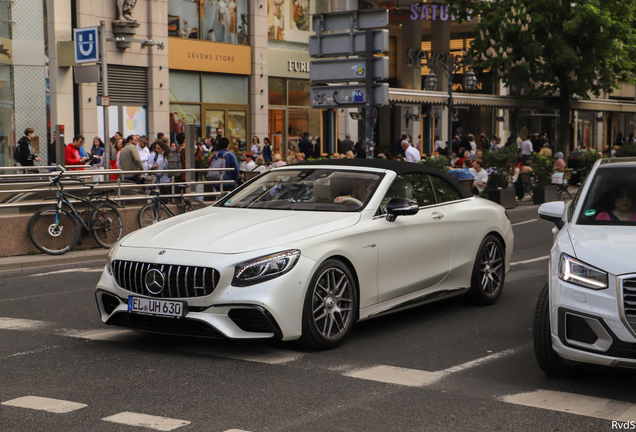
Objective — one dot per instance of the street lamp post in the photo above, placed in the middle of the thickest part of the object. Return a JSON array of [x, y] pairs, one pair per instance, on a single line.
[[449, 65]]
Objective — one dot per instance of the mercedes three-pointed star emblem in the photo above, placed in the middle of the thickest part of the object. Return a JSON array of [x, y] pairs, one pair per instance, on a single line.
[[154, 281]]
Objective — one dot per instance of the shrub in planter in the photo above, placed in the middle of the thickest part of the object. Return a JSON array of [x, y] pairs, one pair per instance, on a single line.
[[626, 150], [587, 161], [542, 170], [500, 165], [442, 163]]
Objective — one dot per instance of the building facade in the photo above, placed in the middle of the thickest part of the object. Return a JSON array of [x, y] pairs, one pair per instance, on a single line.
[[243, 66]]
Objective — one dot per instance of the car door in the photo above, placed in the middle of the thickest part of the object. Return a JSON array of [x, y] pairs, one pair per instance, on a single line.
[[414, 251]]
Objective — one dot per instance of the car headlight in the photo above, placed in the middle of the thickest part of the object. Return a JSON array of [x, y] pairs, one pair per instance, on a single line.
[[578, 273], [265, 268], [109, 260]]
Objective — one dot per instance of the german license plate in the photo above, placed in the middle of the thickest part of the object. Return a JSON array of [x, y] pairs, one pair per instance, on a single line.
[[155, 307]]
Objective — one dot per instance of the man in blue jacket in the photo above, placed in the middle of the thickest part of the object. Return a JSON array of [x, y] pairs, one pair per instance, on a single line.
[[230, 162]]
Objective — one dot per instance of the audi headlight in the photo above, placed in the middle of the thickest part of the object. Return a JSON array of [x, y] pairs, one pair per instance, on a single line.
[[265, 268], [578, 273]]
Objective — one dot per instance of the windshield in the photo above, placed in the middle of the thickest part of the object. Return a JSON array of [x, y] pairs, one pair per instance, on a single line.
[[307, 189], [610, 199]]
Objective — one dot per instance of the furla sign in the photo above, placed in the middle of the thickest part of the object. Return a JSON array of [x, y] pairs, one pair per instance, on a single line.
[[288, 63]]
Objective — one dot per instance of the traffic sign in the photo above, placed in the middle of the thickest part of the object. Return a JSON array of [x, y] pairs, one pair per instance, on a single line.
[[348, 96], [103, 101], [363, 19], [348, 70], [85, 44], [344, 44]]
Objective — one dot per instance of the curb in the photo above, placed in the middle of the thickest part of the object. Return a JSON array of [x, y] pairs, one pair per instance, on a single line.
[[41, 260]]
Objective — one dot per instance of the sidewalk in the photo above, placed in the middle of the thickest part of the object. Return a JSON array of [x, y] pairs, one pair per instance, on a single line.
[[41, 260]]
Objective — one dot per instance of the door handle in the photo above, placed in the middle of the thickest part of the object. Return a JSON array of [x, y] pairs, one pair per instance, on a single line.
[[437, 216]]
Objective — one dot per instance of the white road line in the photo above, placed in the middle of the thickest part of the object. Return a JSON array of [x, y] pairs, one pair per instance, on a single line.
[[45, 404], [478, 362], [531, 260], [397, 375], [73, 270], [147, 421], [590, 406], [254, 354], [524, 222], [20, 324], [415, 377]]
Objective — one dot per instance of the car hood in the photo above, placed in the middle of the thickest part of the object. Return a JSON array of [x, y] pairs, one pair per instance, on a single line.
[[610, 248], [234, 230]]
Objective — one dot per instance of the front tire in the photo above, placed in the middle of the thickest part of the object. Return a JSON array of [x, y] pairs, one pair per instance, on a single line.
[[489, 272], [53, 233], [549, 361], [107, 224], [330, 308]]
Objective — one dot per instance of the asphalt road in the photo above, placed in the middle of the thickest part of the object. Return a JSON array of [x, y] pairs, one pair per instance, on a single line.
[[448, 366]]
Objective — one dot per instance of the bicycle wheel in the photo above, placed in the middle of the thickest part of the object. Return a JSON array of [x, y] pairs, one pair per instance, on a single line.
[[52, 232], [106, 224], [150, 214], [192, 205]]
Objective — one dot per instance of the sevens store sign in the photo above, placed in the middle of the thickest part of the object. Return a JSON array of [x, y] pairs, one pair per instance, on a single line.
[[85, 45]]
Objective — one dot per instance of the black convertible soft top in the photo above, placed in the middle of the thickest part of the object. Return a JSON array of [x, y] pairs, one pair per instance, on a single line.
[[399, 167]]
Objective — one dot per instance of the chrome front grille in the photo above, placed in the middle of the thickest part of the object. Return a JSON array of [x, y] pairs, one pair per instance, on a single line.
[[629, 301], [179, 281]]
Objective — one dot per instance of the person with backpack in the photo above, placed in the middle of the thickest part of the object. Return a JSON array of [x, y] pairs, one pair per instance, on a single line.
[[224, 159], [24, 150]]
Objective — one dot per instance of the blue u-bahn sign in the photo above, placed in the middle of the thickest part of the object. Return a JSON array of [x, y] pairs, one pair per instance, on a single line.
[[86, 44]]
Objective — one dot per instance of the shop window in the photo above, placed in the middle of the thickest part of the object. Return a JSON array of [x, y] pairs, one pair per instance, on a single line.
[[277, 92], [298, 92], [237, 128], [180, 115], [214, 119], [134, 120], [275, 127], [225, 89], [219, 21], [183, 19], [184, 86]]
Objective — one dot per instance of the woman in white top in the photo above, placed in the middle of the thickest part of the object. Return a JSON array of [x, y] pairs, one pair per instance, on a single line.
[[163, 151], [256, 147]]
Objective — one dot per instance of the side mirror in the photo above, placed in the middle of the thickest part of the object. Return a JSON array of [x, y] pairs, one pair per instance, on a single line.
[[553, 212], [401, 207]]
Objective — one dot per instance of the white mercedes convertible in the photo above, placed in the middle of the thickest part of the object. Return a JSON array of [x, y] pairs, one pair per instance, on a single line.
[[305, 251]]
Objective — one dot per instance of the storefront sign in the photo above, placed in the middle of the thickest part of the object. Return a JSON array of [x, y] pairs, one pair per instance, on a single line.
[[288, 63], [202, 56], [431, 12], [6, 51], [297, 66]]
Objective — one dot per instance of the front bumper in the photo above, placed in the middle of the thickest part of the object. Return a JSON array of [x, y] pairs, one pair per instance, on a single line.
[[586, 325], [269, 310]]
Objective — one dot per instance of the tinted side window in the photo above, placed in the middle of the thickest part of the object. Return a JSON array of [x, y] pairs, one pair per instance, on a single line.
[[415, 186], [444, 190]]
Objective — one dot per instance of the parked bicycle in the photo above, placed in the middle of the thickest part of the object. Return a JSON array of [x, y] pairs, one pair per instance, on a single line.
[[56, 229], [157, 210]]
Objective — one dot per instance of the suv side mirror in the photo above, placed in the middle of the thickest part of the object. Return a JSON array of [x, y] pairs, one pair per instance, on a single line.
[[553, 212], [401, 207]]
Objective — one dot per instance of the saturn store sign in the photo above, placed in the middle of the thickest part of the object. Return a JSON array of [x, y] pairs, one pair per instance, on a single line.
[[203, 56]]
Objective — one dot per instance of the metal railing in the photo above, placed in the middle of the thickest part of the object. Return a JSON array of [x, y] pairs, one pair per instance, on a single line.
[[39, 182]]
